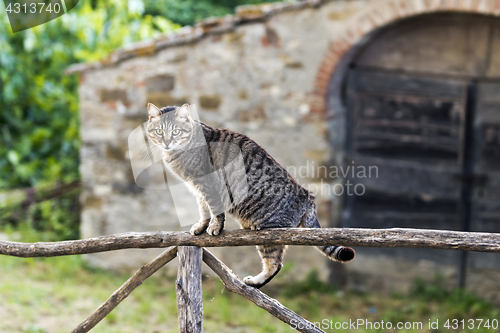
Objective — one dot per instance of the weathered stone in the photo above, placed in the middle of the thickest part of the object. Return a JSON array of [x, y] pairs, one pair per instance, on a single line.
[[115, 152], [294, 64], [316, 154], [112, 95], [256, 114], [271, 38], [234, 38], [213, 24], [146, 49], [93, 135], [162, 99], [290, 63], [92, 202], [210, 102], [243, 94], [163, 83], [249, 12], [127, 188], [97, 114], [340, 14], [179, 58]]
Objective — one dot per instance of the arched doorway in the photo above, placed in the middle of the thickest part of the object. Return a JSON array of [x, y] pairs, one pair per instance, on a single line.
[[422, 104]]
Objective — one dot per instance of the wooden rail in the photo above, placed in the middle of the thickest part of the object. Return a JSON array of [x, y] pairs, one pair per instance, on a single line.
[[395, 237], [191, 252]]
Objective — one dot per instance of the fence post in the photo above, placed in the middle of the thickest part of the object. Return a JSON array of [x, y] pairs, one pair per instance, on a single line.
[[188, 286]]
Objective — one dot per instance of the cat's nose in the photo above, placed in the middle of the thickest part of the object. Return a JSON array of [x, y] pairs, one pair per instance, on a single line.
[[166, 144]]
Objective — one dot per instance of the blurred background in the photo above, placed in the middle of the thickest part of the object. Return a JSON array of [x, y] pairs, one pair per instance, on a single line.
[[39, 103], [399, 99]]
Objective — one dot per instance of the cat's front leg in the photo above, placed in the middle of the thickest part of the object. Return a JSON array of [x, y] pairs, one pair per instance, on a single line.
[[216, 224], [200, 227], [213, 197], [205, 217]]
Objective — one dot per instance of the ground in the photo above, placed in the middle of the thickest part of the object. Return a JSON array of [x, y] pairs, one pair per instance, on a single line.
[[55, 294]]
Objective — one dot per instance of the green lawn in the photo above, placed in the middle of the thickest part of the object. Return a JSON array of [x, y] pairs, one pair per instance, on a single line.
[[55, 294]]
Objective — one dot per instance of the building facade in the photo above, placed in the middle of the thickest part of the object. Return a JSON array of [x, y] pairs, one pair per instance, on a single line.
[[388, 110]]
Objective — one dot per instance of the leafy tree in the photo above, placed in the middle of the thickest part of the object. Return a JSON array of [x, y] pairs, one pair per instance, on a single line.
[[39, 136], [39, 122], [187, 12]]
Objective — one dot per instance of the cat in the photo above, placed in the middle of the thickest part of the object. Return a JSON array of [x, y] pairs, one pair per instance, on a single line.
[[274, 199]]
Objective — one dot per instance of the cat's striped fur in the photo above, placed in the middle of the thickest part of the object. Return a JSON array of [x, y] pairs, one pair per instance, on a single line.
[[274, 199]]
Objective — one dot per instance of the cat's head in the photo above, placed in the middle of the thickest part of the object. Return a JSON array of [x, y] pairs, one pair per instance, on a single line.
[[170, 128]]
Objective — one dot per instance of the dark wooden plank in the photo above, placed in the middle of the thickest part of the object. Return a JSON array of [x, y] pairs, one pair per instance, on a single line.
[[486, 183], [376, 81], [400, 177]]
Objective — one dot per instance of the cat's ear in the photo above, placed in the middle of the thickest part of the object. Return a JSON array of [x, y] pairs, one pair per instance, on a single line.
[[183, 112], [153, 111]]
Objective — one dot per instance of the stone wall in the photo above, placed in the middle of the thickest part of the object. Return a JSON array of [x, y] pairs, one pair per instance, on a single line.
[[254, 79], [264, 72]]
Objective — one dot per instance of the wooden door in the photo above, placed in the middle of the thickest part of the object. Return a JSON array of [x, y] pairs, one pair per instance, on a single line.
[[411, 129], [485, 183]]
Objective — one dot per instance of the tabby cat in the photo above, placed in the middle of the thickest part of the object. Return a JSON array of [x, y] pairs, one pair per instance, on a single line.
[[274, 198]]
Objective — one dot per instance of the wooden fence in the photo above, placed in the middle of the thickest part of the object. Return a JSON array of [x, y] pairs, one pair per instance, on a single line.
[[191, 252]]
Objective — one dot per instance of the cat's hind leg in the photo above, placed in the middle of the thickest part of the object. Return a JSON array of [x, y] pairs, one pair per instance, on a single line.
[[272, 262]]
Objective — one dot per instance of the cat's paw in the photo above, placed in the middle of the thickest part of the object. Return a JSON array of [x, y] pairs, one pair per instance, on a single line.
[[198, 228], [255, 227], [215, 229], [253, 281]]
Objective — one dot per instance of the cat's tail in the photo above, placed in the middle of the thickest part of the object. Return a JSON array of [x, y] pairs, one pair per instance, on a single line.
[[342, 254]]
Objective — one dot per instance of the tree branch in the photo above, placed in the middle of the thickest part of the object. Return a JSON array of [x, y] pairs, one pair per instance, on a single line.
[[235, 285], [396, 237], [135, 281]]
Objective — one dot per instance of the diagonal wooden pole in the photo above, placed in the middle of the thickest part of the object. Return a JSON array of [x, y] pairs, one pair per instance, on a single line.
[[135, 281], [188, 286], [235, 285]]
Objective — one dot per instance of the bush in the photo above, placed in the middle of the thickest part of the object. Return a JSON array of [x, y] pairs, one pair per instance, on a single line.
[[188, 12], [39, 138]]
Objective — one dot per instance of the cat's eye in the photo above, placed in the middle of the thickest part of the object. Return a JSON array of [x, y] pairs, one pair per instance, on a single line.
[[176, 132], [159, 131]]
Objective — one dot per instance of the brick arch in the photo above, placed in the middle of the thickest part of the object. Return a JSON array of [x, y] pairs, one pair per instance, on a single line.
[[376, 15]]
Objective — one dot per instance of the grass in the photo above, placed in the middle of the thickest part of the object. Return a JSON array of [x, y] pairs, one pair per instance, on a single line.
[[52, 295]]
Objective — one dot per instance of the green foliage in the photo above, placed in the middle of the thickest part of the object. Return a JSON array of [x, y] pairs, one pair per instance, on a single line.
[[46, 214], [310, 284], [39, 138], [38, 102], [39, 123], [187, 12]]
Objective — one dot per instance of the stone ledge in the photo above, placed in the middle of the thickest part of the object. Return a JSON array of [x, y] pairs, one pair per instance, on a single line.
[[186, 35]]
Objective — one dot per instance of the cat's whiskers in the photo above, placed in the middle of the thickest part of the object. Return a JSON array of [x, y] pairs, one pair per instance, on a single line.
[[148, 152]]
